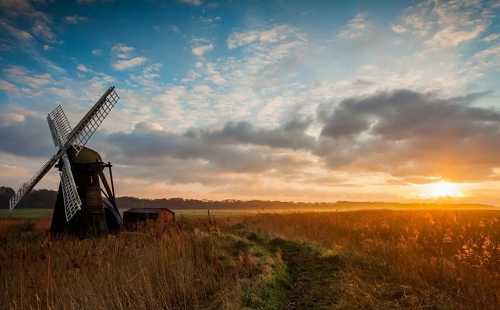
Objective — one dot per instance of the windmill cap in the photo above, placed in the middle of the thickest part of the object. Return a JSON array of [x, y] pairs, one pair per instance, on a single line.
[[86, 155]]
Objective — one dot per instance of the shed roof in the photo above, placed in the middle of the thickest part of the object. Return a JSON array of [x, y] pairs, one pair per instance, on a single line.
[[148, 210]]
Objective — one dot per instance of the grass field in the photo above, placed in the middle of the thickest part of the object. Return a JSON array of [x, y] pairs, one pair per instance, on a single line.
[[340, 260], [32, 214], [29, 214]]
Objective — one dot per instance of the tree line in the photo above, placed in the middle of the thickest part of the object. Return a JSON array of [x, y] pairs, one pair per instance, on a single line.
[[45, 199]]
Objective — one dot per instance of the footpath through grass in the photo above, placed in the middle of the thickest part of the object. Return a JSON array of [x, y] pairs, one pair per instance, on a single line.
[[312, 274]]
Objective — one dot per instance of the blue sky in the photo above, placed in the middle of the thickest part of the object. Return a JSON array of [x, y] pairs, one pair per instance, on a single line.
[[289, 100]]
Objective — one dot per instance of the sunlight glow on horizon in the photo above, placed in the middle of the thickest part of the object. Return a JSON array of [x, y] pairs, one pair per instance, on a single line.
[[441, 189]]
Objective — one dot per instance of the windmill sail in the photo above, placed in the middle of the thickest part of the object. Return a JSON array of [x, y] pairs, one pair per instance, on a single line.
[[59, 126], [81, 134], [64, 137], [71, 198], [28, 186]]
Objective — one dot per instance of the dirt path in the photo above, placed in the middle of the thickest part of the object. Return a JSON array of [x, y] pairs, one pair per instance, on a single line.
[[315, 276]]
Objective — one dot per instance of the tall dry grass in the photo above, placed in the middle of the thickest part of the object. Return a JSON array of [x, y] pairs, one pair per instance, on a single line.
[[161, 266], [430, 259]]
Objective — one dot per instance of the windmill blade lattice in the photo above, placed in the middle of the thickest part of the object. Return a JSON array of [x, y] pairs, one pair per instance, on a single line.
[[89, 124], [72, 202], [60, 129], [28, 186], [59, 126]]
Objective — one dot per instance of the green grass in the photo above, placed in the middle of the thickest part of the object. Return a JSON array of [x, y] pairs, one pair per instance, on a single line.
[[307, 278], [28, 214], [31, 214]]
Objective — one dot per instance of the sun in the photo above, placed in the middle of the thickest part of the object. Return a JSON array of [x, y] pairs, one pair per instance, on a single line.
[[442, 189]]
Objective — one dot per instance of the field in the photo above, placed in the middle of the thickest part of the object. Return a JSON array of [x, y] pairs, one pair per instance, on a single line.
[[31, 214], [376, 259]]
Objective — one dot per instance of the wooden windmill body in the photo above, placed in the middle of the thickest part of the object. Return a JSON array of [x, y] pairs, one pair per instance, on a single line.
[[80, 208], [98, 215]]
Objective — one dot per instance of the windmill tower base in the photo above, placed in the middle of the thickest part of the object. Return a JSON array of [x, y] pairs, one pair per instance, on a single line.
[[96, 217]]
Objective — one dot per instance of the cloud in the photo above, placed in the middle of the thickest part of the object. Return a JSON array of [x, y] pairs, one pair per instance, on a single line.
[[409, 134], [125, 53], [62, 93], [34, 80], [202, 89], [7, 86], [200, 46], [47, 48], [130, 63], [75, 19], [449, 23], [121, 48], [82, 68], [355, 28], [289, 136], [192, 2], [491, 37], [398, 28], [175, 29], [43, 30], [206, 20], [492, 51], [12, 171], [210, 6], [275, 34], [450, 37], [27, 136], [17, 33], [217, 147], [96, 52], [202, 49]]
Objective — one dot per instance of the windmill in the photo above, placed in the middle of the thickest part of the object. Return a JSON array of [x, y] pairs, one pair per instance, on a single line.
[[80, 208]]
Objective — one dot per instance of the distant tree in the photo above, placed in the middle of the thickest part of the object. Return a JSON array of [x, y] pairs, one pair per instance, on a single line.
[[5, 194]]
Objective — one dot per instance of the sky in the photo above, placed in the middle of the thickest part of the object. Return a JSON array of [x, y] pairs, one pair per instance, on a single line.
[[275, 100]]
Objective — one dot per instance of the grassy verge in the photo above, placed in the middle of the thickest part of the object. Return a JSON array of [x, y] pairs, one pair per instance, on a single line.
[[184, 265]]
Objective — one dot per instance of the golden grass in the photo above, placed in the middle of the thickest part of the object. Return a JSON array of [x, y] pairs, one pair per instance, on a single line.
[[162, 266], [414, 259]]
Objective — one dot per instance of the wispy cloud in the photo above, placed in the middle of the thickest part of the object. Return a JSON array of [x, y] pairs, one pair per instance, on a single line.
[[75, 19], [491, 37], [192, 2], [450, 37], [175, 29], [21, 75], [200, 46], [130, 63], [274, 34], [17, 33], [7, 86], [398, 28], [355, 28], [82, 68], [125, 53]]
